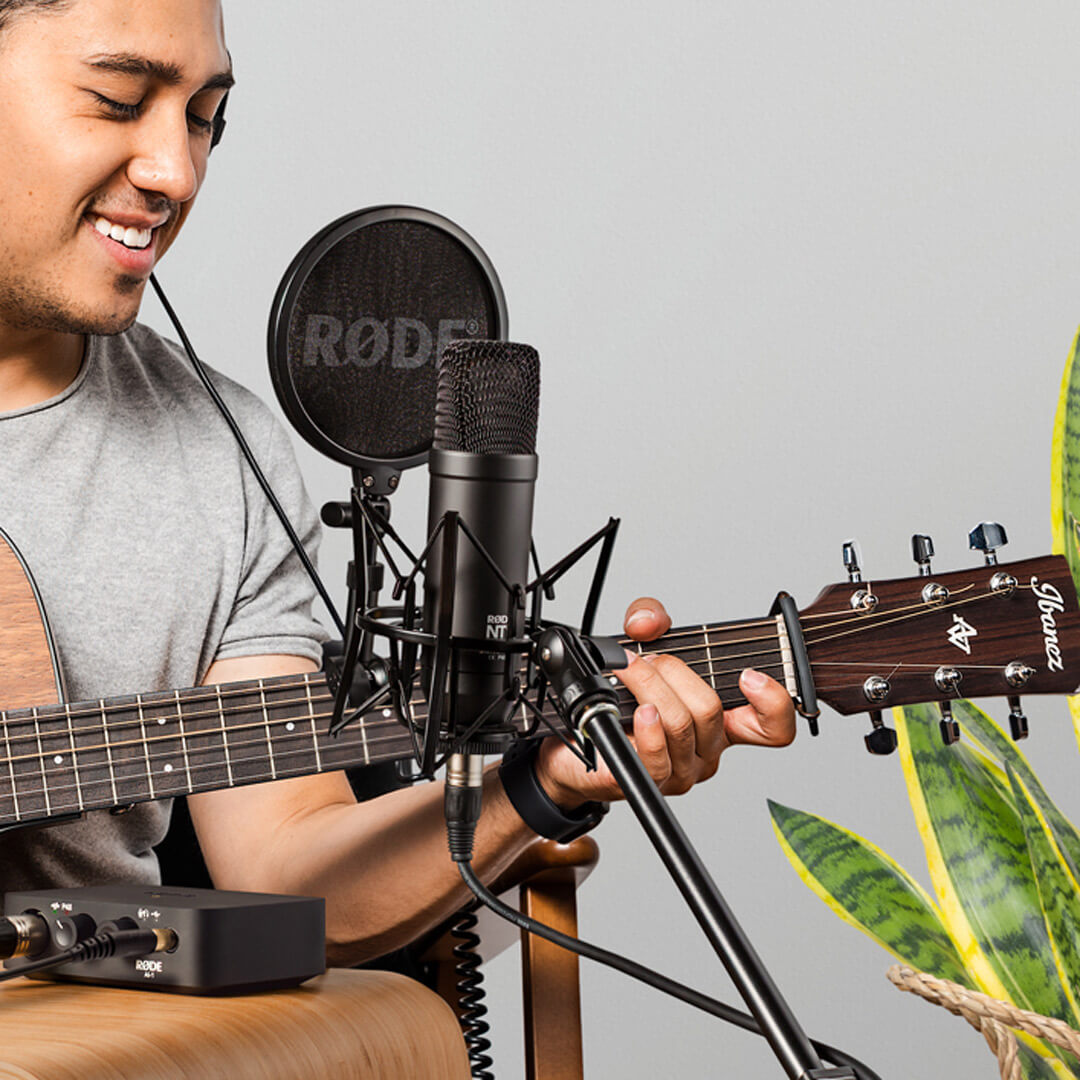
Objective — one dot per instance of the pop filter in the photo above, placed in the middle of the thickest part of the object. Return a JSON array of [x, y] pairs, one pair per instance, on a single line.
[[358, 324]]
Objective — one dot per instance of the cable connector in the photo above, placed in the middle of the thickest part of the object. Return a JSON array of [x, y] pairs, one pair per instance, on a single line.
[[462, 800]]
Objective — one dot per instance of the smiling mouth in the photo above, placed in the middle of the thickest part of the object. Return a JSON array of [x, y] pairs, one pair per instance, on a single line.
[[130, 237]]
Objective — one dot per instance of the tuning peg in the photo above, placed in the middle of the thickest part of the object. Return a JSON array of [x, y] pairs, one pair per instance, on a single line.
[[1018, 724], [922, 551], [851, 560], [882, 740], [950, 729], [987, 537]]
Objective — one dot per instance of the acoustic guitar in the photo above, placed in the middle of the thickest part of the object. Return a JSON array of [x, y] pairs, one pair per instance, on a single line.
[[998, 630]]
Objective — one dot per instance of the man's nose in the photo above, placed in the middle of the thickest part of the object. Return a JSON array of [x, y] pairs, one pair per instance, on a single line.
[[163, 160]]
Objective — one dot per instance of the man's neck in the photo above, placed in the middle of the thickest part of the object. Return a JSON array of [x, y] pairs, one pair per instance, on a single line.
[[36, 365]]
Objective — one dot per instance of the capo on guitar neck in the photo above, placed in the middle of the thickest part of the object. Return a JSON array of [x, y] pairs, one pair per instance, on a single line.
[[805, 694]]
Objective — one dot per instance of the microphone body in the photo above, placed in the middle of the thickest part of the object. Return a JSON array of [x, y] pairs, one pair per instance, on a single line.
[[483, 466]]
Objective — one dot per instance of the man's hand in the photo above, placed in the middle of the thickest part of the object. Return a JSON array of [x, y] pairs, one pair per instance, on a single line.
[[680, 727]]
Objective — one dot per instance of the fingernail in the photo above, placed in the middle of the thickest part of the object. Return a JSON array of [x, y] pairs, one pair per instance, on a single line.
[[630, 657], [641, 615], [649, 714], [751, 679]]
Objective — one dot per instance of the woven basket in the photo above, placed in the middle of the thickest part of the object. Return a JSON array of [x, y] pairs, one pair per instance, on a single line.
[[995, 1019]]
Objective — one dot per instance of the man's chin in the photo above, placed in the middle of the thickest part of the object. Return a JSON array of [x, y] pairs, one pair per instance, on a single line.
[[51, 313]]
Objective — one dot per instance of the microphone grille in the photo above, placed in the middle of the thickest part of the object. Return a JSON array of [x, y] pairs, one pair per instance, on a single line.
[[488, 398]]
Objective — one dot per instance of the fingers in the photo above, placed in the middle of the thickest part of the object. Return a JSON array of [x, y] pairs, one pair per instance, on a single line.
[[768, 718], [646, 619], [690, 720]]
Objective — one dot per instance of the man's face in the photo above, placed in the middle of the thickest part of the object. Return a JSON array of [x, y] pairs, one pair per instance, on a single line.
[[104, 134]]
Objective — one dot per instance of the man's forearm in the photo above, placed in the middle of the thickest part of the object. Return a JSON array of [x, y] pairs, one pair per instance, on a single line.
[[382, 865]]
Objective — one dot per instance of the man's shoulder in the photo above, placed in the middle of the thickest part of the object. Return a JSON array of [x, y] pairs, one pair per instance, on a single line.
[[144, 362]]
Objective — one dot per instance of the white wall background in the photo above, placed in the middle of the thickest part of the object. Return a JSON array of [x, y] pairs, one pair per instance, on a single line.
[[796, 272]]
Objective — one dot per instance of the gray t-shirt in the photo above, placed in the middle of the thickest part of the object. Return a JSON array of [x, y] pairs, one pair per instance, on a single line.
[[155, 553]]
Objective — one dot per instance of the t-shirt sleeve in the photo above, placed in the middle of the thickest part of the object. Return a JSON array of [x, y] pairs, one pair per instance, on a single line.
[[272, 612]]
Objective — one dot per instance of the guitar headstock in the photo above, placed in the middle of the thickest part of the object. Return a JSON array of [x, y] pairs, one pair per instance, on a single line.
[[998, 630]]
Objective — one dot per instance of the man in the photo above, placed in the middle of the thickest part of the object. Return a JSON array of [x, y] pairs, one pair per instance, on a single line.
[[155, 554]]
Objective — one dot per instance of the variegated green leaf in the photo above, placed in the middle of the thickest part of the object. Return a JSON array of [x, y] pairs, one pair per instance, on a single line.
[[1036, 1067], [1065, 483], [1057, 887], [1065, 467], [979, 864], [983, 730], [867, 889]]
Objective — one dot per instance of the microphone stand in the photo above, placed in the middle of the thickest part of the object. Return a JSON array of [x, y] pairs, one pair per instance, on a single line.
[[575, 677]]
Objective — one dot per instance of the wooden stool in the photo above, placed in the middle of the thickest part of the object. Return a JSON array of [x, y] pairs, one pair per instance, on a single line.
[[345, 1024]]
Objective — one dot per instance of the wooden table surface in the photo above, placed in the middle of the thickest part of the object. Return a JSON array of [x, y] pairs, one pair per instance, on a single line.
[[344, 1024]]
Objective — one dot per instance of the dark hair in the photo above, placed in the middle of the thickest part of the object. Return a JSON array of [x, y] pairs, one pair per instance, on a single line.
[[8, 8]]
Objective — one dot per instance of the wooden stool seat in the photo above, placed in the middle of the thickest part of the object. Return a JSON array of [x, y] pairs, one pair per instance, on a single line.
[[344, 1024]]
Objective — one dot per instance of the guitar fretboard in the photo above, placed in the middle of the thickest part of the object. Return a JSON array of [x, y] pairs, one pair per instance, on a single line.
[[57, 760]]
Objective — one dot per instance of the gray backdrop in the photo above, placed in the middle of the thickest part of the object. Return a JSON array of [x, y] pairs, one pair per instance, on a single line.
[[796, 273]]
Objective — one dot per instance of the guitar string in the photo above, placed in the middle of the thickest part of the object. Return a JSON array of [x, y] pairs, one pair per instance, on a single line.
[[36, 716], [866, 621], [179, 771]]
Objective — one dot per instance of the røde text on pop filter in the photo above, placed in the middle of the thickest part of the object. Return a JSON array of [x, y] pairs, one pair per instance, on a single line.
[[359, 321]]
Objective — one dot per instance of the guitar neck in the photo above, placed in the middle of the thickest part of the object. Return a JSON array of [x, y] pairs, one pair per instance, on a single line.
[[70, 758]]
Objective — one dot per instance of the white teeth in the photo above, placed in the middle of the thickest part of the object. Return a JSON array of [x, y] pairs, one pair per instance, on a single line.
[[129, 237]]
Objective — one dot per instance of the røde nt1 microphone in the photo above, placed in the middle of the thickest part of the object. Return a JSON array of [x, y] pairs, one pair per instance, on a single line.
[[483, 466]]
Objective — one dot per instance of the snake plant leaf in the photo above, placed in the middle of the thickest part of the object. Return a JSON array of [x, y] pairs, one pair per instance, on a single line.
[[1058, 889], [867, 889], [1065, 483], [983, 730], [979, 864], [1036, 1067]]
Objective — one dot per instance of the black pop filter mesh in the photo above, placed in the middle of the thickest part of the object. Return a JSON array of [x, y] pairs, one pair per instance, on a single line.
[[359, 322], [488, 398]]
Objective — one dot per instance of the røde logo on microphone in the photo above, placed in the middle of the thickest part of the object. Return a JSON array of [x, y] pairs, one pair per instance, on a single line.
[[400, 342]]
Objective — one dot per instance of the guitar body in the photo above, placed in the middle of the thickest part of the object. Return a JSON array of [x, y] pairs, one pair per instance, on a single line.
[[29, 669]]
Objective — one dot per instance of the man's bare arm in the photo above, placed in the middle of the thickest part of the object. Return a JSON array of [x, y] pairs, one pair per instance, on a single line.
[[383, 865]]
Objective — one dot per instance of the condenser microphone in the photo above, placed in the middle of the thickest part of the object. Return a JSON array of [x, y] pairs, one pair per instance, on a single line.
[[482, 467]]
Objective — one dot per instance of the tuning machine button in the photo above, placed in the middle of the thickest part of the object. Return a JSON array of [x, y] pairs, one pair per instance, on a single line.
[[876, 689], [987, 537], [950, 729], [881, 740], [1017, 674], [851, 561], [922, 551], [1018, 725], [947, 680]]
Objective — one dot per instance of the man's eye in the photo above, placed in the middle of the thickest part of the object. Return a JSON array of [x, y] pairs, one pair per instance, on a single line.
[[120, 109], [200, 124]]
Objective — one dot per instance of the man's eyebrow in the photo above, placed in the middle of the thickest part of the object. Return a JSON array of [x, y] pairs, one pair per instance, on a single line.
[[159, 70]]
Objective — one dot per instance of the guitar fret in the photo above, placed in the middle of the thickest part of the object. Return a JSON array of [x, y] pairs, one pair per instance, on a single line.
[[41, 763], [363, 737], [224, 737], [709, 657], [108, 749], [74, 757], [145, 744], [183, 737], [311, 716], [266, 725], [11, 768]]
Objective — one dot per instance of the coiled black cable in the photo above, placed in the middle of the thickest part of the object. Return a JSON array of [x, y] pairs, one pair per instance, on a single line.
[[470, 994], [651, 978]]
